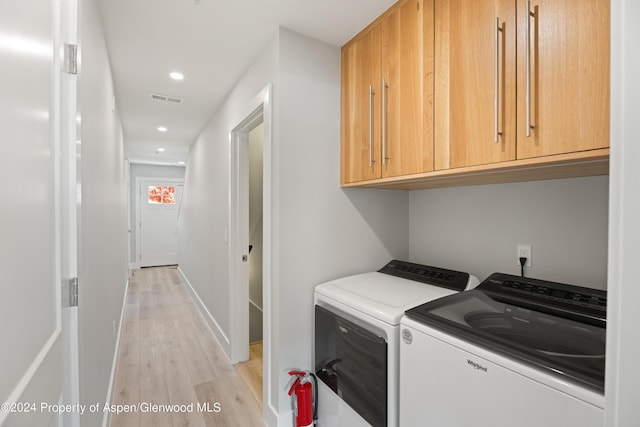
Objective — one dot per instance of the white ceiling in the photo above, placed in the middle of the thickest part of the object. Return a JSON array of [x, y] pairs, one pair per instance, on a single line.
[[212, 42]]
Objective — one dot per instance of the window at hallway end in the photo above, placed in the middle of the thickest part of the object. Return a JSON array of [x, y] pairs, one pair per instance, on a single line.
[[160, 194]]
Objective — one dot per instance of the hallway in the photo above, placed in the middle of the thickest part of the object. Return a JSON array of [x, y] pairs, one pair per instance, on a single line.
[[168, 356]]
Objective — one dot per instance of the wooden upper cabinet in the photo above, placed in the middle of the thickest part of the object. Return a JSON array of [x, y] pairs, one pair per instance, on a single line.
[[360, 108], [485, 86], [475, 83], [434, 89], [568, 76], [407, 70], [387, 95]]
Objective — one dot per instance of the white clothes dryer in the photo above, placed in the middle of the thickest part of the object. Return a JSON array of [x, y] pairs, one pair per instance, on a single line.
[[357, 336]]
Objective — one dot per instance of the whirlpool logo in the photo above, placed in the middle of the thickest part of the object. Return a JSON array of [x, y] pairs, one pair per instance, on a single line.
[[477, 366]]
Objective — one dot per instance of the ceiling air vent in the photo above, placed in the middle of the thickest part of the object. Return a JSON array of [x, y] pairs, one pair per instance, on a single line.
[[165, 98]]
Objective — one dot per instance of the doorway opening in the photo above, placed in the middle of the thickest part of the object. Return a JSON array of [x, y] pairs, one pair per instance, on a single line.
[[250, 246], [251, 370]]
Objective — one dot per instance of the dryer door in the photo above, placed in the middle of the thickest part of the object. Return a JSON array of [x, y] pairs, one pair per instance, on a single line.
[[352, 361]]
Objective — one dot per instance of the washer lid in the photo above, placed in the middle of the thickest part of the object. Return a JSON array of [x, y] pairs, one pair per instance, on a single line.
[[555, 327], [379, 295]]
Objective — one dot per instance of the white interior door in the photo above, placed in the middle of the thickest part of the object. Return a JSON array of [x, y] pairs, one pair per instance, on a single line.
[[31, 379], [159, 206]]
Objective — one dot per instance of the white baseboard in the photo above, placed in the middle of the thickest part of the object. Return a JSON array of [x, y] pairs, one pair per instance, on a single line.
[[218, 333], [106, 418], [270, 416]]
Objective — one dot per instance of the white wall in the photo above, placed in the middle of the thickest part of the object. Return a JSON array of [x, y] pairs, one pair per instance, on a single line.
[[477, 228], [623, 335], [143, 170], [319, 230], [203, 253], [102, 238]]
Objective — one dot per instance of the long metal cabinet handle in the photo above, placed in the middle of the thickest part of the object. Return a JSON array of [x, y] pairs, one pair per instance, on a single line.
[[385, 157], [371, 126], [496, 92], [528, 67]]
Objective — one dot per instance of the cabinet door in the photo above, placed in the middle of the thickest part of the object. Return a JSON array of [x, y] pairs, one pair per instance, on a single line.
[[360, 108], [407, 70], [569, 76], [475, 85]]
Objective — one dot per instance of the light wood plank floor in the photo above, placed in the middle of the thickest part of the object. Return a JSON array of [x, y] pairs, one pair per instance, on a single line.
[[169, 356], [251, 370]]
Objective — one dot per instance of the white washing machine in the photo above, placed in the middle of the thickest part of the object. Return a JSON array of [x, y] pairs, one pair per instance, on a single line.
[[512, 352], [357, 336]]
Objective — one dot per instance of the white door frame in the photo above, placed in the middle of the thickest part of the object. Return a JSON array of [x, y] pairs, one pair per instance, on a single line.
[[69, 215], [258, 111], [139, 180]]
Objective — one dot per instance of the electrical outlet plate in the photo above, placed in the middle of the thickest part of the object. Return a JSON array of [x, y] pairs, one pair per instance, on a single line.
[[524, 251]]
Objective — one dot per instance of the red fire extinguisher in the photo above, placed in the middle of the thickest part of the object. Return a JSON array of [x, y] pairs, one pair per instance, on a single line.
[[305, 400]]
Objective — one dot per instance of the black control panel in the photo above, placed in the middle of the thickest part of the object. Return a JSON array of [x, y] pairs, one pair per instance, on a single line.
[[449, 279], [563, 297]]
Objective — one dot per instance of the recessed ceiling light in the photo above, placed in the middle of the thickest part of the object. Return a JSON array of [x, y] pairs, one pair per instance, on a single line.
[[162, 129], [176, 75], [160, 149]]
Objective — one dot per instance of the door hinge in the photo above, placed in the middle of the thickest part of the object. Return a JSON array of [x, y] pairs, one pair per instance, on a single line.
[[73, 292], [70, 58]]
